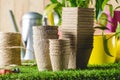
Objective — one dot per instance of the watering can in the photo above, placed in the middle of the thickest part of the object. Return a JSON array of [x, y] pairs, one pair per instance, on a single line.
[[29, 20]]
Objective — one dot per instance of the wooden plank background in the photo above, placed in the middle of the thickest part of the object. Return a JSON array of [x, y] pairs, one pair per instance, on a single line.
[[20, 7]]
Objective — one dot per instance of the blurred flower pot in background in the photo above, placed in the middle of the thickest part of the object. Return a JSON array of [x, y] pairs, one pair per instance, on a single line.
[[98, 55], [118, 50], [112, 23]]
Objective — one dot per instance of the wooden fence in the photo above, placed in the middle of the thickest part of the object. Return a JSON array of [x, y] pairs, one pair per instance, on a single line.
[[19, 7]]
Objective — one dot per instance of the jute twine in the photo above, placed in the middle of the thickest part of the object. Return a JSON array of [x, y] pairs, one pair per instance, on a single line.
[[41, 34], [10, 49], [10, 39], [59, 53]]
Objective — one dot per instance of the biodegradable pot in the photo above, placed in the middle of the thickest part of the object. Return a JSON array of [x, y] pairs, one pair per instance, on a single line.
[[10, 49], [59, 53], [72, 59], [41, 34], [98, 55], [78, 23]]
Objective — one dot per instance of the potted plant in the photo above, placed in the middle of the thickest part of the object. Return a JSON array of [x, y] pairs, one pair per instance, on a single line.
[[118, 43], [79, 6], [113, 17], [108, 39], [108, 52], [58, 7]]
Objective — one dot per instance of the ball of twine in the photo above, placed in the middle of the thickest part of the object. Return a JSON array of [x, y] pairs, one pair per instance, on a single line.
[[9, 56], [10, 48], [10, 39]]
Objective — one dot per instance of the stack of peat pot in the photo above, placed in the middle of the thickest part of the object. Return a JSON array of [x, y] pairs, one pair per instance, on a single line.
[[41, 36], [59, 53], [77, 25]]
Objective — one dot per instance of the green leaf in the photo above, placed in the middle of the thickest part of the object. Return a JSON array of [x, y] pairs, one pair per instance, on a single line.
[[100, 4], [104, 3], [91, 1], [111, 9], [99, 9], [117, 7], [58, 10], [102, 28], [72, 3], [117, 1], [79, 3], [118, 30], [103, 20], [105, 45], [54, 1], [87, 3], [63, 2], [49, 8], [67, 3]]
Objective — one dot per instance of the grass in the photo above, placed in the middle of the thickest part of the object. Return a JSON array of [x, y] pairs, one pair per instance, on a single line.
[[93, 72]]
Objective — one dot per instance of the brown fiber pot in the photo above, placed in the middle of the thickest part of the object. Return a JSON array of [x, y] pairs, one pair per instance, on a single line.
[[41, 34]]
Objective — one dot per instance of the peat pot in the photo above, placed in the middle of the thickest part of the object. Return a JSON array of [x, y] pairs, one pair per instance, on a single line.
[[77, 25], [41, 34]]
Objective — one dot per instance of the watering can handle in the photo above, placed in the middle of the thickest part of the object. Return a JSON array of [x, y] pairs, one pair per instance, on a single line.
[[13, 21], [15, 24]]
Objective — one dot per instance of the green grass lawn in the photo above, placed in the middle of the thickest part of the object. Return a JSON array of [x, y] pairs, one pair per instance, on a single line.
[[93, 72]]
